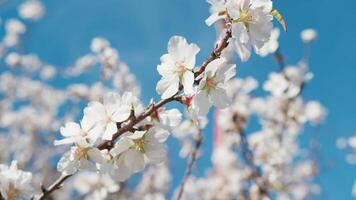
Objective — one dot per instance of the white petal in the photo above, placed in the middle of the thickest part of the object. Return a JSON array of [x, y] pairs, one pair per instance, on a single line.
[[122, 145], [155, 152], [123, 172], [136, 135], [110, 130], [171, 117], [243, 51], [121, 113], [71, 129], [220, 98], [134, 160], [176, 47], [213, 18], [95, 155], [156, 135], [188, 81], [65, 165], [70, 140], [190, 54], [202, 103], [168, 87], [214, 65], [165, 69]]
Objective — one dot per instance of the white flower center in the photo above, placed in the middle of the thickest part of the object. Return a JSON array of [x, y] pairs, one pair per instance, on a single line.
[[210, 84], [81, 153], [180, 69], [245, 18], [12, 192], [139, 144]]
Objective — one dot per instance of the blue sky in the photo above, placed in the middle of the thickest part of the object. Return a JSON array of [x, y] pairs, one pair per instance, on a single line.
[[140, 30]]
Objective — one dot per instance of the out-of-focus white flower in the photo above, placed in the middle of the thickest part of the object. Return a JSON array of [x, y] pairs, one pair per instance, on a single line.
[[102, 118], [95, 186], [276, 84], [351, 159], [176, 68], [308, 35], [341, 143], [31, 10], [14, 26], [314, 112], [272, 45], [212, 87], [48, 72], [98, 44], [354, 189], [352, 142], [82, 64], [13, 59], [167, 119], [14, 183]]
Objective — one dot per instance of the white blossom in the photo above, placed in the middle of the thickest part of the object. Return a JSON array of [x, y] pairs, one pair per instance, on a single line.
[[308, 35], [212, 87], [251, 23], [314, 112], [272, 45], [176, 67], [102, 117], [31, 10], [136, 149], [14, 183], [95, 186], [276, 84]]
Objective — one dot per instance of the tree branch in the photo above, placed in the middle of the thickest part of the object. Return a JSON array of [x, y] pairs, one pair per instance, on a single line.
[[148, 111], [55, 186], [192, 159]]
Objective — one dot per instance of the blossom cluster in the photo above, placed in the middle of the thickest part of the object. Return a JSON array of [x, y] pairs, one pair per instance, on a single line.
[[118, 136]]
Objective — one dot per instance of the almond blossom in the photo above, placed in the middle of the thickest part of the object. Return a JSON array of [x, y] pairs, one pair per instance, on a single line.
[[102, 117], [14, 183], [212, 87], [251, 23], [308, 35], [80, 156], [31, 10], [95, 186], [118, 137], [176, 67], [136, 149]]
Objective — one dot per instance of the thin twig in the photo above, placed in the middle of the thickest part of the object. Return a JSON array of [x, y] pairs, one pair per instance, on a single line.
[[248, 155], [56, 185], [279, 59], [216, 53], [192, 159]]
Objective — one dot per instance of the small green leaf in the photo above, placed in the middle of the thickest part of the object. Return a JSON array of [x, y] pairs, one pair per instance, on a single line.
[[276, 14]]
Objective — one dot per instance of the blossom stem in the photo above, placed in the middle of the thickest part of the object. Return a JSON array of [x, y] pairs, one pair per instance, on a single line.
[[55, 186], [192, 159], [249, 158]]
